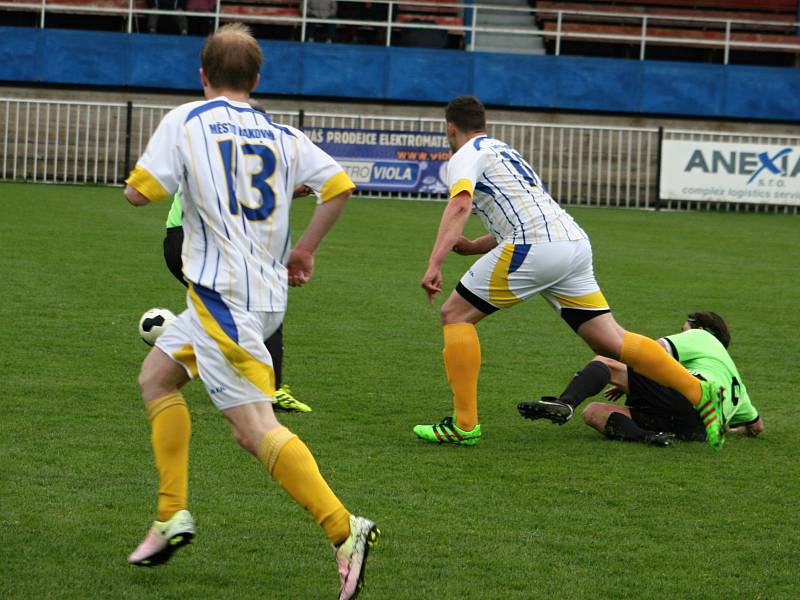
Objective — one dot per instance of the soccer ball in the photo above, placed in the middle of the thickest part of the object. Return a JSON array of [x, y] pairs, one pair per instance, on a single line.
[[153, 323]]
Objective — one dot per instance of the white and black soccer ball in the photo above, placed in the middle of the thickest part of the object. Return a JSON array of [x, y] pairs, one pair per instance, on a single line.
[[153, 323]]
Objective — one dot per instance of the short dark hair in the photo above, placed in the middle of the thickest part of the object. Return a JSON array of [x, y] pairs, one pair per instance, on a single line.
[[467, 113], [231, 58], [712, 323]]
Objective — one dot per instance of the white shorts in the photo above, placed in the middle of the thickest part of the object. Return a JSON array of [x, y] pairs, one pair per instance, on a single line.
[[223, 344], [561, 272]]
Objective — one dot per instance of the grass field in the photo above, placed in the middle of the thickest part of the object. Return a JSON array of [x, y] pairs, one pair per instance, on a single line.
[[535, 511]]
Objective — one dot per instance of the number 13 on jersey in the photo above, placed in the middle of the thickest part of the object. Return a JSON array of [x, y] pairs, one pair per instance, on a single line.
[[259, 180]]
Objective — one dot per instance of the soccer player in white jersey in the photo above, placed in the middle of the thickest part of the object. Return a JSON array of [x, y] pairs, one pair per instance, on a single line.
[[237, 170], [533, 247]]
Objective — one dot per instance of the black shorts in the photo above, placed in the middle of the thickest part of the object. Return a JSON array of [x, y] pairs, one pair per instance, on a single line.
[[658, 408], [173, 244]]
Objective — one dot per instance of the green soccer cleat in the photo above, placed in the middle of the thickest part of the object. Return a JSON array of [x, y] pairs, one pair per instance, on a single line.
[[447, 432], [351, 556], [163, 539], [286, 402], [710, 410]]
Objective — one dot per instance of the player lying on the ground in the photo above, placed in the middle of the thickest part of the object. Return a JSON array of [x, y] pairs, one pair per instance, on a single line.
[[534, 247], [654, 414]]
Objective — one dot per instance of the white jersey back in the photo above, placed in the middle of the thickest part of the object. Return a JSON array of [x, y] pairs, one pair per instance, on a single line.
[[237, 171], [507, 194]]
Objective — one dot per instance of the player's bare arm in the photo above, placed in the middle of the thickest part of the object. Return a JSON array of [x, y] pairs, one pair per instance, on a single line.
[[450, 227], [752, 429], [135, 197], [301, 260], [481, 245]]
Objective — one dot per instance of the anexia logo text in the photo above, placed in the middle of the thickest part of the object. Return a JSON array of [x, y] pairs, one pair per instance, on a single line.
[[752, 164]]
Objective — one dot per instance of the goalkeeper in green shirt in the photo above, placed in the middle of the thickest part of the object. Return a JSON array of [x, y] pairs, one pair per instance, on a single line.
[[173, 243], [654, 414]]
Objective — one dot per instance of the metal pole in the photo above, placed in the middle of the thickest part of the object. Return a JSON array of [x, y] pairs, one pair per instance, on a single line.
[[216, 15], [558, 34], [658, 167], [128, 125], [473, 33], [389, 24], [727, 42], [303, 23], [301, 119], [644, 38]]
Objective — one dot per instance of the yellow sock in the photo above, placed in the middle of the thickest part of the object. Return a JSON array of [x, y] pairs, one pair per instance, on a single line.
[[292, 465], [648, 358], [462, 362], [171, 431]]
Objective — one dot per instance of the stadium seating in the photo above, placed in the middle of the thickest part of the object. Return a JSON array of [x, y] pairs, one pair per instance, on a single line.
[[261, 8], [435, 12], [771, 21]]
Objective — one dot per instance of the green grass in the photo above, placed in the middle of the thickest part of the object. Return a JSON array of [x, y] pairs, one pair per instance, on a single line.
[[535, 511]]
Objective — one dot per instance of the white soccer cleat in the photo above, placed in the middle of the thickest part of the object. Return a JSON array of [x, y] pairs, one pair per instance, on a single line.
[[163, 539], [351, 556]]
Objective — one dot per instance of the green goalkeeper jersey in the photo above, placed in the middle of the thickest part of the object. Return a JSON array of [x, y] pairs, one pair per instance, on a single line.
[[703, 354], [175, 216]]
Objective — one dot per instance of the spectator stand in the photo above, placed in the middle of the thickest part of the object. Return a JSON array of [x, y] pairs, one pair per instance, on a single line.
[[758, 32], [717, 31]]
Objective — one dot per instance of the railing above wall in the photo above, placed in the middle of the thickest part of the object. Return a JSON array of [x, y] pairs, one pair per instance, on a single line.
[[582, 165], [555, 23]]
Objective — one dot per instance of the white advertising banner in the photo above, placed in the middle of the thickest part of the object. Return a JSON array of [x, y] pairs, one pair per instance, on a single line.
[[730, 172]]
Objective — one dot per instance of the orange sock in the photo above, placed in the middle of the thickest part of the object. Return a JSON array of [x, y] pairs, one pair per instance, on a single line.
[[648, 358], [292, 465], [171, 432], [462, 362]]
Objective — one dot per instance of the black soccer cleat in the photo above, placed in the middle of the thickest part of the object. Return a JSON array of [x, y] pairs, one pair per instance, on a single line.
[[548, 407], [658, 438]]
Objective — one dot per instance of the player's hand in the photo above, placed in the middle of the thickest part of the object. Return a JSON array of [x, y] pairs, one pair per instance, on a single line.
[[614, 393], [464, 246], [432, 282], [302, 190], [300, 267]]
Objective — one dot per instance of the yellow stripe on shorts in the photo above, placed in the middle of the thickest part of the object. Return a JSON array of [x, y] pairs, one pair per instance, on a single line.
[[256, 372], [595, 300], [499, 293], [185, 356]]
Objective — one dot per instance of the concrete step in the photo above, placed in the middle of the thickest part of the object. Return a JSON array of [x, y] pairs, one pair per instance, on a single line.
[[520, 3], [499, 42], [500, 18]]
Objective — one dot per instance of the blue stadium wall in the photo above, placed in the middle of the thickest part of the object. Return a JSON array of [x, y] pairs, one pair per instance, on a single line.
[[108, 59]]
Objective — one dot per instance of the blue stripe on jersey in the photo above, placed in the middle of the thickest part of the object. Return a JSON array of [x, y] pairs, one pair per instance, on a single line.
[[211, 172], [196, 112], [482, 187], [521, 227], [219, 310], [478, 140], [285, 130], [530, 193], [286, 171], [286, 244], [246, 281], [271, 305], [205, 249], [216, 270], [520, 252]]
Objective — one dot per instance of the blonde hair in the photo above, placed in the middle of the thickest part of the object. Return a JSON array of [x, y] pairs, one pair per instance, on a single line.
[[231, 58]]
